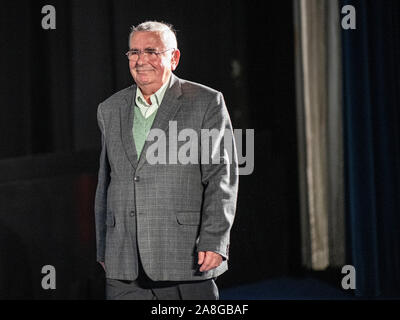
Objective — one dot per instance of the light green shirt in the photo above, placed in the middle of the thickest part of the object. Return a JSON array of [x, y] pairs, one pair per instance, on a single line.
[[146, 109], [145, 114]]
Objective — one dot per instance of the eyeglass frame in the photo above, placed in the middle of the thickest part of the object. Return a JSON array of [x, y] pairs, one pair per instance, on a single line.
[[139, 52]]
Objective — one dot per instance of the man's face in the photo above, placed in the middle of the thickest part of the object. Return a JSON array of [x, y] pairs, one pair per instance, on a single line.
[[152, 72]]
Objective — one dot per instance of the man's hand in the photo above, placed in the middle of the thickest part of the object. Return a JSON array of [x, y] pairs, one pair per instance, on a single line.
[[209, 260]]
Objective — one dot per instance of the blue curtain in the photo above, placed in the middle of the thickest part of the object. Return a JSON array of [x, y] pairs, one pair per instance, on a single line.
[[371, 92]]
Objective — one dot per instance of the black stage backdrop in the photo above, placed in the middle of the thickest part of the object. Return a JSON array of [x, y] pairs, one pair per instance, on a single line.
[[50, 86]]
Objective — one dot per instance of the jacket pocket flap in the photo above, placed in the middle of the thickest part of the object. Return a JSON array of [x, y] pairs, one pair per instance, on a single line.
[[110, 220], [190, 218]]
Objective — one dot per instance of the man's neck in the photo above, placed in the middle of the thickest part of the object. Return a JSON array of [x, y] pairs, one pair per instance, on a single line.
[[149, 90]]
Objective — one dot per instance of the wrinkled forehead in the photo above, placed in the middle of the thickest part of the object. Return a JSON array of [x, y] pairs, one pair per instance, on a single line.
[[150, 39]]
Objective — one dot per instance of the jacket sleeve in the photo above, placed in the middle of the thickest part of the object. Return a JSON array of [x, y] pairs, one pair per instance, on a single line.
[[220, 177], [100, 207]]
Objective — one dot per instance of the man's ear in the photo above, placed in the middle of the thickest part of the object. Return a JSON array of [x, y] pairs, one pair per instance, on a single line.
[[175, 59]]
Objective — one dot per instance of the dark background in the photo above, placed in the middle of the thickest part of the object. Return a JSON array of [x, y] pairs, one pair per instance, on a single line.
[[50, 86]]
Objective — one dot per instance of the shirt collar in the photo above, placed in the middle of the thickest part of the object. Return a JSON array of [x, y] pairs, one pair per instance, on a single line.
[[156, 98]]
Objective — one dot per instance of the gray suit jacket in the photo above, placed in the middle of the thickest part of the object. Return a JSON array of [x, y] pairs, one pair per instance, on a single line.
[[164, 212]]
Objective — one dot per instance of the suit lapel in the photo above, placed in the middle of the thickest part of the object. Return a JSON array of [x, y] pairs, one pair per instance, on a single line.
[[126, 118], [165, 113]]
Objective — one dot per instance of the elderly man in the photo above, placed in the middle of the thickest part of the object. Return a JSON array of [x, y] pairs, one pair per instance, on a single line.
[[163, 229]]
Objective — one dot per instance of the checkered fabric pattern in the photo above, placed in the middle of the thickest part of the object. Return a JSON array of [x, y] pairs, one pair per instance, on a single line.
[[165, 213]]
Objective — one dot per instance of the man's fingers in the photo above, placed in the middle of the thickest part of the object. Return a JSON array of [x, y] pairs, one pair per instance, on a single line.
[[205, 263], [208, 264], [201, 257], [211, 260]]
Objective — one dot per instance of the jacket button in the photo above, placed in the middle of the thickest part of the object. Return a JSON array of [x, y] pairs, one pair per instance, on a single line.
[[136, 178]]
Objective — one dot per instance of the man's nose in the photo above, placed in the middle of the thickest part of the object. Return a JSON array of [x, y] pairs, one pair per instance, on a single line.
[[141, 58]]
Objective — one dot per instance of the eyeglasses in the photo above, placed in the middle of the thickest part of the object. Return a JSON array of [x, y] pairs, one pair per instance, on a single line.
[[149, 53]]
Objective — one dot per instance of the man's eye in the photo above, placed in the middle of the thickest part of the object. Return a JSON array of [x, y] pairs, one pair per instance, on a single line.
[[151, 52], [134, 52]]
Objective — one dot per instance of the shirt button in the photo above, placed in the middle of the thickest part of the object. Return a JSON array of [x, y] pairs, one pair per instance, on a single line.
[[132, 213], [136, 178]]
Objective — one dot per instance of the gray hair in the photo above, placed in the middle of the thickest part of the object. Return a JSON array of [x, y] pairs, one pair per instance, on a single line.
[[166, 31]]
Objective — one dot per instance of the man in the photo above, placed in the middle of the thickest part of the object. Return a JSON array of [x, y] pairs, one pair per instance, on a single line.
[[163, 228]]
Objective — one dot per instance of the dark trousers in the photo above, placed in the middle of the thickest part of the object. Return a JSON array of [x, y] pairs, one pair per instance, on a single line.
[[132, 290], [143, 288]]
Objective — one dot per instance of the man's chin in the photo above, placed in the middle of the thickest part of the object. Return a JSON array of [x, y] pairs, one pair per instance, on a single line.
[[141, 80], [143, 83]]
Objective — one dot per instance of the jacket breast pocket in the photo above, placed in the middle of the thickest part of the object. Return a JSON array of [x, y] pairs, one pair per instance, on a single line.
[[188, 218]]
